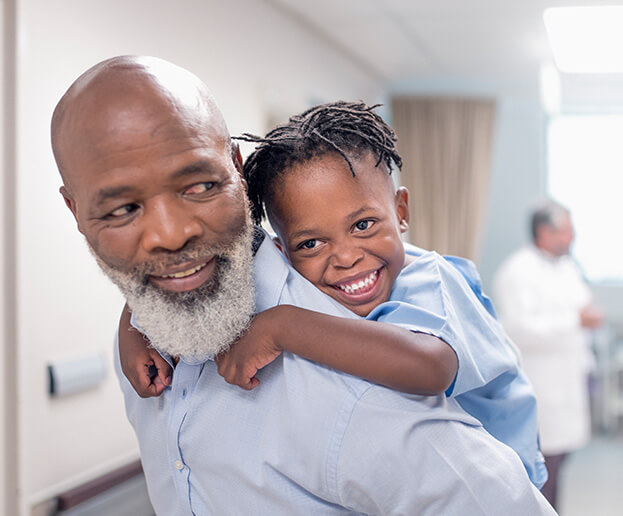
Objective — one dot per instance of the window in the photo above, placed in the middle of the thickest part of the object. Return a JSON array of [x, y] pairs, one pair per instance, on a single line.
[[585, 165]]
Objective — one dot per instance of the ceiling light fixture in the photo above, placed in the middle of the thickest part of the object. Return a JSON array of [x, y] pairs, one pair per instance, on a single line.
[[586, 39]]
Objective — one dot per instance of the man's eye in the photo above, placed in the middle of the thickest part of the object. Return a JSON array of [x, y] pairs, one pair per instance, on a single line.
[[308, 244], [199, 188], [362, 225], [123, 210]]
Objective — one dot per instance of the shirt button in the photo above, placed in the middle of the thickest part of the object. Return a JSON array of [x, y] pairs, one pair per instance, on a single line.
[[184, 393], [178, 464]]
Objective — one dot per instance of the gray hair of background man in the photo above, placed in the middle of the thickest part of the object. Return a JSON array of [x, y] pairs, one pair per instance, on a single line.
[[548, 213]]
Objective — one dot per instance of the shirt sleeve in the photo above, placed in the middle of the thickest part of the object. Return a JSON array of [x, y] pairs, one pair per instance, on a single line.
[[428, 461], [432, 296]]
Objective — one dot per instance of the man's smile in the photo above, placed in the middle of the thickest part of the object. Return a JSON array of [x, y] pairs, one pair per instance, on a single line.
[[186, 276]]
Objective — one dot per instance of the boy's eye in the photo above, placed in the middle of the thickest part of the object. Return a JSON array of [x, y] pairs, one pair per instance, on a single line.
[[199, 188], [126, 209], [362, 225], [308, 244]]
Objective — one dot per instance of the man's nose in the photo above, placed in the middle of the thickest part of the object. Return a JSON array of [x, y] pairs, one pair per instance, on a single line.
[[346, 255], [169, 225]]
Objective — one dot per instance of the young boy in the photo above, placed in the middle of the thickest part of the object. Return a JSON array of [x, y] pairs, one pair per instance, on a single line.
[[324, 181]]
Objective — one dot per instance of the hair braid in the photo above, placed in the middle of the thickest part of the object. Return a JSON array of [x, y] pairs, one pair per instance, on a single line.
[[346, 128]]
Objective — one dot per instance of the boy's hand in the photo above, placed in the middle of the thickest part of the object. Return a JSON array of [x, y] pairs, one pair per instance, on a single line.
[[142, 365], [254, 350]]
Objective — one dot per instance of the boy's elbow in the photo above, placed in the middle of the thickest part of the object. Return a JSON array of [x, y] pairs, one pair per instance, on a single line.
[[432, 370], [434, 381], [448, 367], [443, 367], [440, 383], [446, 379]]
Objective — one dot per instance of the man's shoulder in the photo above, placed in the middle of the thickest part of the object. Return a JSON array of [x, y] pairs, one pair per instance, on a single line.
[[318, 383]]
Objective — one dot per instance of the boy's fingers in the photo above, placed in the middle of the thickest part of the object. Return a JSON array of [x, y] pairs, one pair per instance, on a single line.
[[165, 377], [152, 390], [163, 370], [249, 385], [155, 387]]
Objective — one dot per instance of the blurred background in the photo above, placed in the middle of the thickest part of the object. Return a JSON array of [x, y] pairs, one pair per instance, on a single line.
[[488, 122]]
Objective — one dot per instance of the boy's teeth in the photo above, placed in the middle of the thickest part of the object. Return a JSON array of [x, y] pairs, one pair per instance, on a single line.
[[183, 274], [353, 287]]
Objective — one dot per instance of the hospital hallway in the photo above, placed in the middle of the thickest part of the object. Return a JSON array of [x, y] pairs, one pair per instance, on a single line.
[[591, 480]]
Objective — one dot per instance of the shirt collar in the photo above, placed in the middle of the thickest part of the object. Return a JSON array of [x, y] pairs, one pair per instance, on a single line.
[[270, 273], [548, 257]]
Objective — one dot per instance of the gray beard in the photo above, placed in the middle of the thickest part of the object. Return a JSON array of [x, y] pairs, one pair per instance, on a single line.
[[199, 324]]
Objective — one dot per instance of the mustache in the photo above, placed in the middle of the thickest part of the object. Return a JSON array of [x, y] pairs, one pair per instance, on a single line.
[[189, 253]]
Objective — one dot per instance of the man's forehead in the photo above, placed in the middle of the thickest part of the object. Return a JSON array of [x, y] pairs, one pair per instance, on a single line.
[[123, 144], [116, 138], [132, 103]]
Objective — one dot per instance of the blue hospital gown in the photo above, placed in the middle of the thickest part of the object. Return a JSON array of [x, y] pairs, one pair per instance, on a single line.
[[443, 297]]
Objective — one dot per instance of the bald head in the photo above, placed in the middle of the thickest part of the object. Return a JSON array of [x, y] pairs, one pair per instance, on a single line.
[[115, 97]]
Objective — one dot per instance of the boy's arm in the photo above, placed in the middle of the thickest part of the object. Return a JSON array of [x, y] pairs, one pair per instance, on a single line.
[[141, 364], [397, 358]]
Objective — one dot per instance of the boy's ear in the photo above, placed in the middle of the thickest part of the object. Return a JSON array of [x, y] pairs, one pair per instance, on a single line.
[[402, 208], [71, 204], [279, 245]]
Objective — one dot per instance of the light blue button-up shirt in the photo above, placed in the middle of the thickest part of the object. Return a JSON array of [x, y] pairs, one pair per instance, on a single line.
[[312, 441], [444, 298]]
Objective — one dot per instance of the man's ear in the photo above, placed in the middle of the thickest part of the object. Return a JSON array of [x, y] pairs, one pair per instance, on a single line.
[[236, 156], [402, 208], [71, 204]]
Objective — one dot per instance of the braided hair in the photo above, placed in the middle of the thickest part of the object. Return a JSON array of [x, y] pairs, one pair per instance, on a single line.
[[346, 128]]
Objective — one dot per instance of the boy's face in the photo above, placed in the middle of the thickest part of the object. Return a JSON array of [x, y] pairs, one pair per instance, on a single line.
[[341, 232]]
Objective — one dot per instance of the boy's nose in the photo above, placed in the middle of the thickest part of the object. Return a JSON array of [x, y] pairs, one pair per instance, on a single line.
[[168, 226], [346, 256]]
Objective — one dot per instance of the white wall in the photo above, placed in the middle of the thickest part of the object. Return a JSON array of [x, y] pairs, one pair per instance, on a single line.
[[518, 176], [255, 60]]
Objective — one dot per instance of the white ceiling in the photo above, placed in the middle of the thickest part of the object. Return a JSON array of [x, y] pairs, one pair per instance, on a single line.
[[404, 41]]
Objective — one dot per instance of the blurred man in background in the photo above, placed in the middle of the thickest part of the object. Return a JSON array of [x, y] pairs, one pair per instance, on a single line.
[[546, 307]]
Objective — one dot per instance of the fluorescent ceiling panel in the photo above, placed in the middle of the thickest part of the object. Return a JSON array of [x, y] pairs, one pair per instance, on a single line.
[[586, 39]]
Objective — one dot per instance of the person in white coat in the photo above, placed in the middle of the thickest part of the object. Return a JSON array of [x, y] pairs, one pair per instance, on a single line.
[[546, 308]]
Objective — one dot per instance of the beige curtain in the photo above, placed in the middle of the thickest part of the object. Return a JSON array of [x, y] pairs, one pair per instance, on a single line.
[[446, 145]]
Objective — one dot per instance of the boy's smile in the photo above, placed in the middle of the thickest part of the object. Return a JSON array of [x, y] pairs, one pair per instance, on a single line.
[[341, 232], [361, 289]]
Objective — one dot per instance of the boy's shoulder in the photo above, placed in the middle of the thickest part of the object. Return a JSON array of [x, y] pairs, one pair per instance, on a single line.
[[435, 271], [423, 258], [429, 267]]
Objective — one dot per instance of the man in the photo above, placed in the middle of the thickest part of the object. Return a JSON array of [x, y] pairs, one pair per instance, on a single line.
[[153, 181], [546, 307]]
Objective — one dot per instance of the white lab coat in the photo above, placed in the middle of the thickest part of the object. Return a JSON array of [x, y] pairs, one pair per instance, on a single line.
[[539, 299]]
